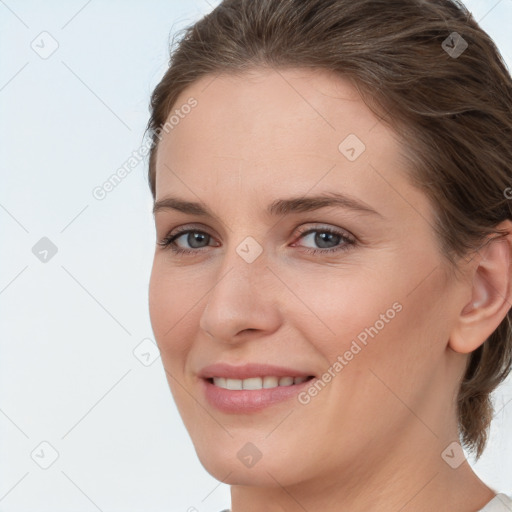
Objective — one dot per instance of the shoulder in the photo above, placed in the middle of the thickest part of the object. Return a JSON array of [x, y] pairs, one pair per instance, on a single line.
[[500, 503]]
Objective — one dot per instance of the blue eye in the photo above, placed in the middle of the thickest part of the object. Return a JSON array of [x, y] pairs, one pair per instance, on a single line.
[[193, 237], [327, 239]]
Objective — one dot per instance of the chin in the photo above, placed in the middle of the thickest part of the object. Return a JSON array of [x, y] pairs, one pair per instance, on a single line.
[[232, 472], [237, 461]]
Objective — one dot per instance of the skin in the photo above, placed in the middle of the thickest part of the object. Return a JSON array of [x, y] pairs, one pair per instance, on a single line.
[[372, 439]]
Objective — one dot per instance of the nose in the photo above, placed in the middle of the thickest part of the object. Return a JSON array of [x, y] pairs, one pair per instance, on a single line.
[[243, 299]]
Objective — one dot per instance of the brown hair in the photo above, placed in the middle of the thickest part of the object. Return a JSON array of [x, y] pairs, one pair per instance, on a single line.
[[453, 114]]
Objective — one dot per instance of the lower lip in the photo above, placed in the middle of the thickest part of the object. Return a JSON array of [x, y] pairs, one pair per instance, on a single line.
[[245, 400]]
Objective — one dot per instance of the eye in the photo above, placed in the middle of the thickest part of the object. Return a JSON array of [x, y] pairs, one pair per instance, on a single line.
[[194, 238], [327, 240]]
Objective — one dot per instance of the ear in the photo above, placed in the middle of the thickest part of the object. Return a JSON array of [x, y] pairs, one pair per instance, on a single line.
[[490, 282]]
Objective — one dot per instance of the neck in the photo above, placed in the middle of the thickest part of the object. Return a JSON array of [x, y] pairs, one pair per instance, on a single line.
[[407, 475]]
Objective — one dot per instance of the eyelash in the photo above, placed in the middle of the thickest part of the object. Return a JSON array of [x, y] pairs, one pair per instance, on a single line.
[[168, 241]]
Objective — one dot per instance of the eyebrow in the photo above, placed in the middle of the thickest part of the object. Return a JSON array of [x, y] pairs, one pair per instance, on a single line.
[[277, 207]]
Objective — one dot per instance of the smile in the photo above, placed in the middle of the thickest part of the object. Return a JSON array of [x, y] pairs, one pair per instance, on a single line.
[[255, 383], [250, 388]]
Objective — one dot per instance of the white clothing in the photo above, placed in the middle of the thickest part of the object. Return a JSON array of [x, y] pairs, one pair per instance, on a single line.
[[500, 503]]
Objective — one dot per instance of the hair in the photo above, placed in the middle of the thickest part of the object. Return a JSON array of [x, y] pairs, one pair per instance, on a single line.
[[452, 113]]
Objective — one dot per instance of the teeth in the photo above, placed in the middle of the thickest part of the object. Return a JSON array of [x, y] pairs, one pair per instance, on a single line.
[[254, 383], [270, 382], [233, 384], [221, 382]]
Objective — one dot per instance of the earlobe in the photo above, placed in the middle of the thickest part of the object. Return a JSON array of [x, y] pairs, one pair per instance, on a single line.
[[491, 294]]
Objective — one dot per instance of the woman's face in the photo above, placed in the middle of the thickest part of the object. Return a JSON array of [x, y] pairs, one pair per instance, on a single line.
[[277, 285]]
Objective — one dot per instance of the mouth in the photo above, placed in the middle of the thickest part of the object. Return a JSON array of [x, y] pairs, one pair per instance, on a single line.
[[257, 383], [250, 388]]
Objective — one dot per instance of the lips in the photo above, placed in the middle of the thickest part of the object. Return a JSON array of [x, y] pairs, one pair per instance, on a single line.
[[251, 387], [248, 371]]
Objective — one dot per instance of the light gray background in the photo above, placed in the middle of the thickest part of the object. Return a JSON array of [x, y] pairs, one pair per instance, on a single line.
[[72, 326]]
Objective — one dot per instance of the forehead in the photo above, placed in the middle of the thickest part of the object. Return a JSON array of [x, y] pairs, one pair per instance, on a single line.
[[287, 131], [288, 112]]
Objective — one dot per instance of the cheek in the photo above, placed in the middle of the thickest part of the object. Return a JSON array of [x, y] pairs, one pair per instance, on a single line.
[[172, 316], [383, 317], [170, 308], [351, 304]]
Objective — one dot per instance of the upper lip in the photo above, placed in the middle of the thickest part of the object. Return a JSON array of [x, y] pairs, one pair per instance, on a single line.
[[247, 371]]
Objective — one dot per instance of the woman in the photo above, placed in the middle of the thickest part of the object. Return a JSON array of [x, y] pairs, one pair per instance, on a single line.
[[331, 287]]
